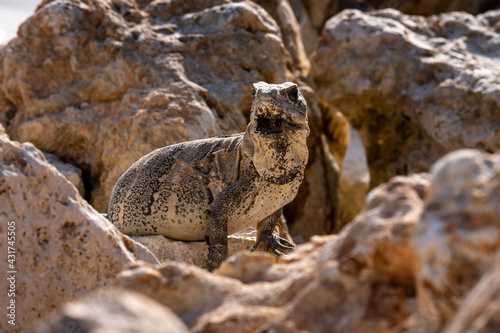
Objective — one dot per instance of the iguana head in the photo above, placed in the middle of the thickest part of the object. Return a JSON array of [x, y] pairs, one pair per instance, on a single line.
[[278, 130]]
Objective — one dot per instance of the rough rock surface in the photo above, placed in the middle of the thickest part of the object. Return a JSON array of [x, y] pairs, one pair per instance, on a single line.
[[71, 172], [308, 31], [63, 247], [414, 88], [430, 7], [312, 14], [121, 85], [354, 180], [316, 208], [101, 83], [363, 277], [458, 236], [194, 253], [480, 310], [115, 311], [281, 11], [322, 10]]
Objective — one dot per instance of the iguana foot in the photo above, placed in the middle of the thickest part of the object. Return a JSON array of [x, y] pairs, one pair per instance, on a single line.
[[273, 242], [215, 259]]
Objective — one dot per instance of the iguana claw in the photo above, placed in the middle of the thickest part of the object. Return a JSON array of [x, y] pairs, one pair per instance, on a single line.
[[273, 242]]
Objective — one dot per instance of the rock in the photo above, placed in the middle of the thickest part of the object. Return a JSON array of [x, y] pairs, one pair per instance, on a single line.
[[316, 208], [362, 278], [63, 248], [282, 12], [458, 236], [194, 253], [113, 311], [122, 83], [322, 10], [431, 88], [354, 180], [308, 31], [480, 310], [128, 77], [426, 7], [71, 172]]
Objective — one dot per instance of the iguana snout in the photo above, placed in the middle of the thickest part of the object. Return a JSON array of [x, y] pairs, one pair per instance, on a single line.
[[278, 129]]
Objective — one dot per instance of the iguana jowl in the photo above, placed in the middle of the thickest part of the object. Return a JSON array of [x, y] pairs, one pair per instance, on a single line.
[[207, 189]]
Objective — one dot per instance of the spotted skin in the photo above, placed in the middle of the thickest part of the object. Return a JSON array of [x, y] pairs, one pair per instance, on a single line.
[[207, 189]]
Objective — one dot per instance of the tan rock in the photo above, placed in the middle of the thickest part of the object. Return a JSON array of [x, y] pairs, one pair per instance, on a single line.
[[361, 279], [113, 311], [413, 87], [63, 248], [307, 30], [354, 179], [194, 253], [71, 172], [480, 310], [129, 77], [458, 236], [431, 7], [282, 12], [316, 208], [123, 84], [322, 10]]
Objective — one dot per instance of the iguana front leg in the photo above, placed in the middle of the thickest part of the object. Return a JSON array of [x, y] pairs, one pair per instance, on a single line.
[[227, 204], [265, 233]]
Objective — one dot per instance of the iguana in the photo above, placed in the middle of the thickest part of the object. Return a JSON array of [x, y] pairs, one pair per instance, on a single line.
[[209, 188]]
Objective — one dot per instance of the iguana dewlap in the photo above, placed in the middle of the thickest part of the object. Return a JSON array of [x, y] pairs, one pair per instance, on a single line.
[[207, 189]]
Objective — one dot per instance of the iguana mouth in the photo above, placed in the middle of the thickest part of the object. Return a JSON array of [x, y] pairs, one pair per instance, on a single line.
[[268, 125]]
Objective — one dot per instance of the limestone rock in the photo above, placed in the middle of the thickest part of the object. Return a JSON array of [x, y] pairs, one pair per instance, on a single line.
[[282, 12], [308, 31], [431, 7], [322, 10], [102, 83], [114, 311], [480, 310], [361, 279], [354, 180], [315, 209], [194, 253], [413, 87], [71, 172], [458, 236], [63, 247]]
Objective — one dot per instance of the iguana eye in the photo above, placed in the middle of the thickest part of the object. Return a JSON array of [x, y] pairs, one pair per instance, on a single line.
[[277, 123], [293, 94]]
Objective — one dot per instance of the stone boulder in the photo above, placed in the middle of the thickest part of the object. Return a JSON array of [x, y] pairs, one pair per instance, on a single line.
[[283, 14], [354, 180], [361, 279], [480, 310], [62, 248], [312, 14], [413, 87], [116, 311], [71, 172], [194, 253], [316, 208], [458, 236], [431, 7], [102, 83]]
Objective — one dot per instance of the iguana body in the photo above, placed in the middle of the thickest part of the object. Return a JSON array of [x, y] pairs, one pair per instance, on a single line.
[[207, 189]]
